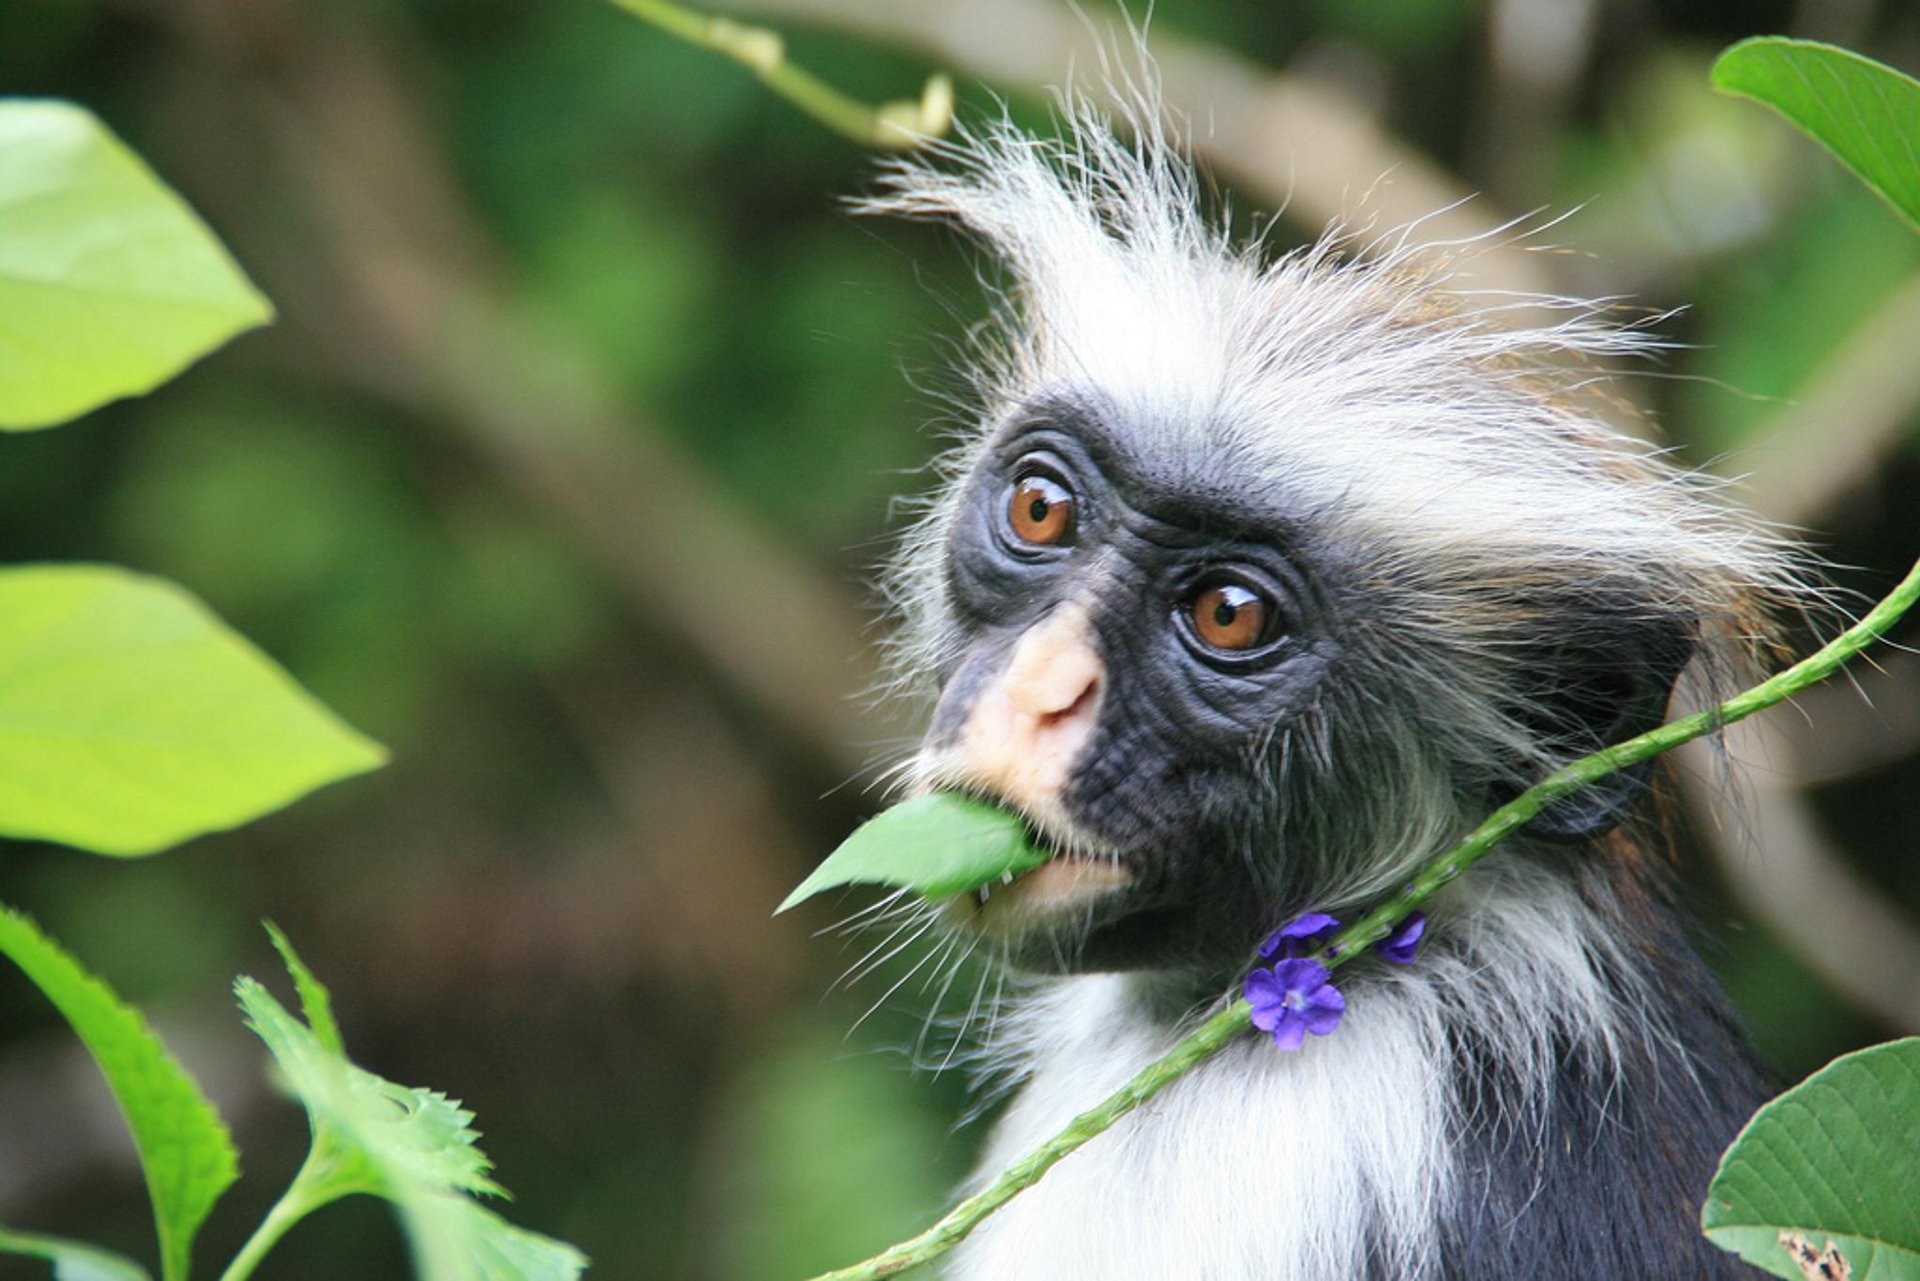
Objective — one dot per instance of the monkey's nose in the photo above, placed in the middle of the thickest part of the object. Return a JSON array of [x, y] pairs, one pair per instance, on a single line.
[[1054, 675], [1029, 725]]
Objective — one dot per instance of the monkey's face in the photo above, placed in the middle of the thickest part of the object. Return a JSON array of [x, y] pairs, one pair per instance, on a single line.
[[1218, 702], [1133, 644]]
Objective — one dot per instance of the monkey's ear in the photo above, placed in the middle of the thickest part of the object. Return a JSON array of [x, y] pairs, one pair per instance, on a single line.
[[1600, 694]]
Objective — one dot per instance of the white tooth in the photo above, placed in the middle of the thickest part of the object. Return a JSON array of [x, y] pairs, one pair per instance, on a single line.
[[980, 896], [1006, 878]]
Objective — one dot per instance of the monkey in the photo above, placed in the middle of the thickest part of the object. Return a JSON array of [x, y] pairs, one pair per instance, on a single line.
[[1255, 580]]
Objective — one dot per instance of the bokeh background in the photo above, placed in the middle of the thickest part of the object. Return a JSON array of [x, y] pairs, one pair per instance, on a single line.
[[566, 466]]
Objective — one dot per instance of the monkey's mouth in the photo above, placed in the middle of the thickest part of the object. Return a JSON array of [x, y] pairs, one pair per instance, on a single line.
[[1078, 874]]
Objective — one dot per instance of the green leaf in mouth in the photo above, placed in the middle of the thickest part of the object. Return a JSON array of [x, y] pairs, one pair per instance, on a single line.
[[936, 845]]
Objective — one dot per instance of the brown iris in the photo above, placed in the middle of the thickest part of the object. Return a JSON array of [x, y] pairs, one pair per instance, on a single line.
[[1230, 616], [1040, 510]]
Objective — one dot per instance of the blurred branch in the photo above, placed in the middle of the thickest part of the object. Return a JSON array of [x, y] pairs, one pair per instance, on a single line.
[[1804, 890], [1302, 145], [711, 830], [1854, 727], [413, 308], [900, 125], [1537, 51]]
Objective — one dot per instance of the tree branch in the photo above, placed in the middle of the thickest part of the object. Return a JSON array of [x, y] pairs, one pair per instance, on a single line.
[[899, 125]]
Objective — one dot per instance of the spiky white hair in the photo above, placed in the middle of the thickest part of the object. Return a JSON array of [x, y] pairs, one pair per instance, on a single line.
[[1463, 442]]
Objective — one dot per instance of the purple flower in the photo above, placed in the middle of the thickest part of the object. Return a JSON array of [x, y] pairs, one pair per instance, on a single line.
[[1400, 946], [1305, 934], [1293, 998]]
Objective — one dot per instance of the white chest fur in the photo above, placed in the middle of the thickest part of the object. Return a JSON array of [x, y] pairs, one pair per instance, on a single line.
[[1266, 1165], [1260, 1164]]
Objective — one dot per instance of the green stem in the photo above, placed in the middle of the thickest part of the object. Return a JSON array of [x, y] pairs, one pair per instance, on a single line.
[[1220, 1029], [308, 1192], [895, 125]]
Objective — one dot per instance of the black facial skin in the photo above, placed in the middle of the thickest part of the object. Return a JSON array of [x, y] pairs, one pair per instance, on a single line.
[[1177, 778], [1165, 778]]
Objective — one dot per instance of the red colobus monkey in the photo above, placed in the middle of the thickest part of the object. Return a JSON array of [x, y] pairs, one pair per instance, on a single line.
[[1261, 580]]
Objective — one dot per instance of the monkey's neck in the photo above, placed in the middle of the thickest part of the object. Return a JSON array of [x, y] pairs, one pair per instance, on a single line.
[[1549, 1051]]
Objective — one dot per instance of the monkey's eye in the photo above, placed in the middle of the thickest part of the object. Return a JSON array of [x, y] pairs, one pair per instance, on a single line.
[[1040, 510], [1229, 616]]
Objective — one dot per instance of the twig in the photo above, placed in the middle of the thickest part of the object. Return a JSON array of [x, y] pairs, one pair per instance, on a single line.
[[1220, 1029], [899, 125]]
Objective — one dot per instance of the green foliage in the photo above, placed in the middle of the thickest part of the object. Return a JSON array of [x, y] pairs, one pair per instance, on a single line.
[[1832, 1162], [1865, 113], [935, 845], [316, 1003], [73, 1260], [133, 718], [412, 1146], [109, 285], [185, 1151]]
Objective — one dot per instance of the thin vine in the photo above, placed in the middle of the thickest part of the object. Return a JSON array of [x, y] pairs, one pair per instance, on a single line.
[[1220, 1029], [896, 126]]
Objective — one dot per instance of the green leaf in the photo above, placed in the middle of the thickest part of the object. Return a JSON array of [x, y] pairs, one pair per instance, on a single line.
[[455, 1239], [938, 844], [109, 285], [1865, 113], [73, 1260], [131, 718], [1832, 1161], [316, 1003], [414, 1147], [184, 1148]]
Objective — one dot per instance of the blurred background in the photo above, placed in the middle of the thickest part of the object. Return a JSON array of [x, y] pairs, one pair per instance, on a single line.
[[565, 469]]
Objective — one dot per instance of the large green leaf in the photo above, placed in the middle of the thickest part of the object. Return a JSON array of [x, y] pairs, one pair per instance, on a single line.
[[1865, 113], [109, 285], [73, 1260], [414, 1147], [937, 844], [184, 1148], [1833, 1162], [131, 718]]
